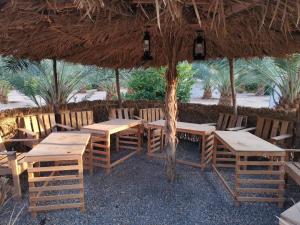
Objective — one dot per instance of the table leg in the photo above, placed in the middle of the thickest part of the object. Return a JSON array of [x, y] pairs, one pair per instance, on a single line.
[[31, 185], [108, 164], [91, 157], [149, 140], [202, 150], [80, 174], [139, 139], [237, 177]]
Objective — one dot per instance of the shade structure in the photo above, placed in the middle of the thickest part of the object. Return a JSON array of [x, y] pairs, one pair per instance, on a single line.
[[110, 32]]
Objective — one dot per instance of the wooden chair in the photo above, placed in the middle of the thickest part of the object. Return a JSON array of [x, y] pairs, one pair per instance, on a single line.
[[12, 163], [273, 130], [38, 126], [127, 139], [230, 122], [77, 119]]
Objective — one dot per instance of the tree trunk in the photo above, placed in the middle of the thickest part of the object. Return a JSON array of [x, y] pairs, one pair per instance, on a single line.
[[207, 93], [297, 139], [118, 87], [170, 126], [260, 90], [232, 84]]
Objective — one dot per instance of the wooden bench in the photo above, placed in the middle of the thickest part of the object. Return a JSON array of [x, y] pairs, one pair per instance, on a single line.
[[77, 119], [273, 130], [128, 138], [230, 122], [12, 163], [38, 126], [151, 114]]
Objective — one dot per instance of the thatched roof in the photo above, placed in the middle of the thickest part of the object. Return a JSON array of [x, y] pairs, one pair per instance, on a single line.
[[110, 32]]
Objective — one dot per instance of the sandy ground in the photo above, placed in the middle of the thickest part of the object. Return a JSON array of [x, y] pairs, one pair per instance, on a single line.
[[19, 100]]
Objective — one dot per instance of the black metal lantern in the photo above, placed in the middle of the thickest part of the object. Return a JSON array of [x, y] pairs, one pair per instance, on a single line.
[[147, 46], [199, 50]]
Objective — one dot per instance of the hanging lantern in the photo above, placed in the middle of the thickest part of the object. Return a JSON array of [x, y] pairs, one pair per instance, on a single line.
[[147, 45], [199, 50]]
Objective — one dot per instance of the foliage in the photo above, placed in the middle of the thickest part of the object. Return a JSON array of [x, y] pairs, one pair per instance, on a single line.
[[216, 74], [204, 72], [36, 81], [5, 87], [150, 83], [281, 75]]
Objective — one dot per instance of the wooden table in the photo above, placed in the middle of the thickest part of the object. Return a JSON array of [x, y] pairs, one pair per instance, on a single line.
[[101, 140], [258, 165], [55, 166], [204, 131], [291, 216]]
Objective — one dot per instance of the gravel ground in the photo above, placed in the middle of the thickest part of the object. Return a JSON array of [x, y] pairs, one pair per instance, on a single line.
[[136, 192]]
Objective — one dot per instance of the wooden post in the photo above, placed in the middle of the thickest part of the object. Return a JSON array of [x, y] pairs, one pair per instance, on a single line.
[[118, 87], [56, 105], [233, 94], [297, 139]]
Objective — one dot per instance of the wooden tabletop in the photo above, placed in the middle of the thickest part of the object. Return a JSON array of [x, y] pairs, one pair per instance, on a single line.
[[60, 144], [245, 142], [111, 126], [192, 128], [291, 215]]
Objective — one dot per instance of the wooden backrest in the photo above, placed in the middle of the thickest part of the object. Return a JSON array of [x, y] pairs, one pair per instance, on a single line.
[[2, 147], [121, 113], [77, 119], [266, 128], [42, 124], [151, 114], [226, 120]]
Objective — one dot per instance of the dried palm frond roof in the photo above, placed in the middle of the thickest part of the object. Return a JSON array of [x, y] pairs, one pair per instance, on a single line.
[[110, 32]]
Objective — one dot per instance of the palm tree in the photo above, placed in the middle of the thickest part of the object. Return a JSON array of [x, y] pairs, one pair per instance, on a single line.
[[216, 74], [282, 75], [35, 80], [204, 72]]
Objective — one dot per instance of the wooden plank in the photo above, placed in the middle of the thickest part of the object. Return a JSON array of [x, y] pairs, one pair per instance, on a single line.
[[126, 114], [27, 123], [84, 118], [120, 115], [266, 129], [52, 168], [284, 127], [54, 207], [79, 119], [220, 121], [153, 114], [225, 122], [259, 199], [35, 125], [275, 127], [73, 120], [90, 116], [259, 181], [52, 120], [131, 113], [259, 190], [56, 188], [41, 123], [47, 124], [259, 126], [232, 121], [56, 197], [145, 115], [54, 178]]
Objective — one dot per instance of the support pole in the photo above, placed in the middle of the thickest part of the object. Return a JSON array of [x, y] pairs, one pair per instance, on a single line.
[[118, 87], [232, 84], [56, 105], [297, 139]]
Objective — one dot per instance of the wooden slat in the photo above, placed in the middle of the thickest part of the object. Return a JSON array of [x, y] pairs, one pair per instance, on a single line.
[[232, 121], [131, 113], [41, 125], [220, 121], [90, 117], [259, 126], [84, 118], [259, 199], [35, 125], [52, 119], [259, 181], [56, 197], [275, 127], [153, 114], [47, 125], [79, 119], [126, 114], [284, 127], [54, 178], [260, 172], [266, 129], [259, 190], [120, 116], [56, 188], [73, 120], [52, 168], [27, 123], [54, 207]]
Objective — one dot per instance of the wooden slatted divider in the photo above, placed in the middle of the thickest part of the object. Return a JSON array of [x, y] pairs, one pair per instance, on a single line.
[[260, 181], [53, 187]]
